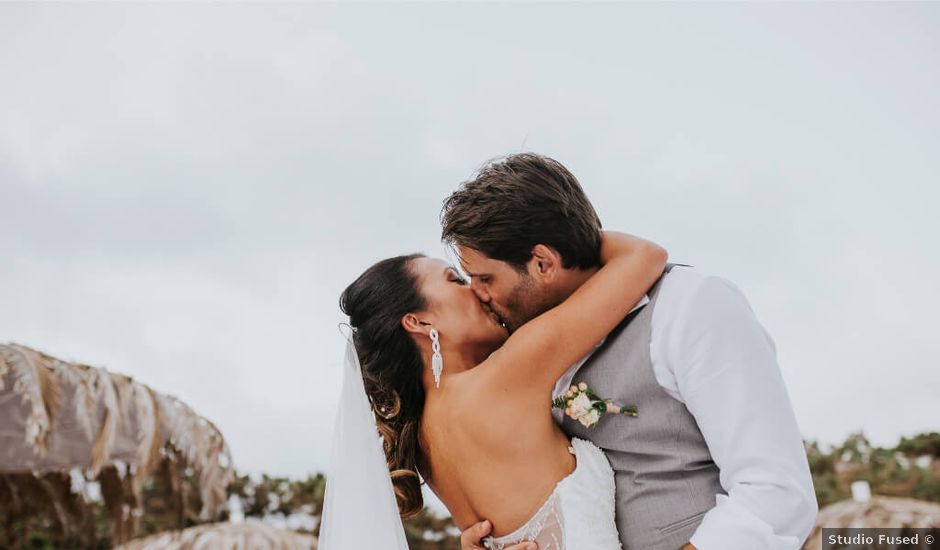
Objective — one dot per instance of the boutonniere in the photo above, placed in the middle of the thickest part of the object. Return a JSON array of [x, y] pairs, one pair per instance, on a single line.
[[582, 404]]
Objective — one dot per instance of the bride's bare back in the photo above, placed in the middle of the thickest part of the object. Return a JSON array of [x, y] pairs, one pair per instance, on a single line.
[[492, 456]]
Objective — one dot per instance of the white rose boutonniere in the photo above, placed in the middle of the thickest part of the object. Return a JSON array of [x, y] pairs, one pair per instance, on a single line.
[[582, 404]]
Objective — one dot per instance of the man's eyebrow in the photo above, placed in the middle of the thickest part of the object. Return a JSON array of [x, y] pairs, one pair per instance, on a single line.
[[468, 273]]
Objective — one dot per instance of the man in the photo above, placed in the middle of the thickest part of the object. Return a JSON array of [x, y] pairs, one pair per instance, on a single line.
[[714, 460]]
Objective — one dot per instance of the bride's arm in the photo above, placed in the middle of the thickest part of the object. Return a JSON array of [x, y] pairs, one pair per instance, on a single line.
[[544, 348]]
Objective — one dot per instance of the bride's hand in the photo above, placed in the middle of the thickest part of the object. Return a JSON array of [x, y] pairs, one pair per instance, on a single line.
[[470, 539]]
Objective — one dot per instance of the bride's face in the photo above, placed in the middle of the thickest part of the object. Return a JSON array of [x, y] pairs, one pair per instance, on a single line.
[[454, 310]]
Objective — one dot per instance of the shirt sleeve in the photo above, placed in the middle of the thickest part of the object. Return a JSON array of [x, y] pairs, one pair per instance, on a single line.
[[725, 370]]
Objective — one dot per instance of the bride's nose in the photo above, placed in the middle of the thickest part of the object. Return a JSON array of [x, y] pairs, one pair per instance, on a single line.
[[480, 291]]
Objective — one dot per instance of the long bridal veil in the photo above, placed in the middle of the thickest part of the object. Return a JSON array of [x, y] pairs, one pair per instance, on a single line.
[[359, 510]]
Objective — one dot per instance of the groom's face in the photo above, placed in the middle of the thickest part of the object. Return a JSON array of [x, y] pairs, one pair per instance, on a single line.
[[515, 296]]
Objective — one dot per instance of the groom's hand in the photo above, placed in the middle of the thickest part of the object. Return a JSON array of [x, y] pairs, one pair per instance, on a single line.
[[470, 539], [688, 547]]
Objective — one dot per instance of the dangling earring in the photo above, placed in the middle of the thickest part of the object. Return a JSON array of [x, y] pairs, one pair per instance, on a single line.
[[437, 362]]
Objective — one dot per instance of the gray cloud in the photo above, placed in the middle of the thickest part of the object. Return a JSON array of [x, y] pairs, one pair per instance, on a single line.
[[186, 189]]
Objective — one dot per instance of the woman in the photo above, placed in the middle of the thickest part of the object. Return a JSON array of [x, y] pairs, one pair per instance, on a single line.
[[480, 431]]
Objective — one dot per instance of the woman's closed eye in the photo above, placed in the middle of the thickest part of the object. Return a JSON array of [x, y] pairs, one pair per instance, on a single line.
[[455, 277]]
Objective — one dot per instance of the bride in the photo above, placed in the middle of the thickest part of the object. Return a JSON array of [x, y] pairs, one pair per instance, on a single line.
[[464, 406]]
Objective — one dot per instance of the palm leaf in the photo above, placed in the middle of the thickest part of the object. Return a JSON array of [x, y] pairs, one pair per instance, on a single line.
[[58, 416]]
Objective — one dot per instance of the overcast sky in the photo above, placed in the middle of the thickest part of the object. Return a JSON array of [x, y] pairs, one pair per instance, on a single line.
[[185, 190]]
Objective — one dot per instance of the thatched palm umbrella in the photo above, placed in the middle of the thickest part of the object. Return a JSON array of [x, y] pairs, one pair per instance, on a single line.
[[246, 536], [879, 511], [57, 418]]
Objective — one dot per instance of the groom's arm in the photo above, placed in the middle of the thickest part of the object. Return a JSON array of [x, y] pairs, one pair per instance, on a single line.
[[726, 373]]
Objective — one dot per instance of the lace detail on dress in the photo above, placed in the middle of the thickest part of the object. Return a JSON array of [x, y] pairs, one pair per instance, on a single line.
[[545, 528], [584, 499]]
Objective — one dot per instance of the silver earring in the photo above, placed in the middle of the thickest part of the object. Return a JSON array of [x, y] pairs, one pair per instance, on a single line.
[[437, 362]]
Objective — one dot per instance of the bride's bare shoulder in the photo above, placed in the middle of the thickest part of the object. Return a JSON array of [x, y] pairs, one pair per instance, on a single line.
[[485, 396]]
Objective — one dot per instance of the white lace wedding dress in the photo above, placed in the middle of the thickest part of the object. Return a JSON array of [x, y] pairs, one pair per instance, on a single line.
[[579, 514]]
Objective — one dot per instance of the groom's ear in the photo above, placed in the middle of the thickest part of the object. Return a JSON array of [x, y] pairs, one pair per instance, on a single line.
[[545, 263]]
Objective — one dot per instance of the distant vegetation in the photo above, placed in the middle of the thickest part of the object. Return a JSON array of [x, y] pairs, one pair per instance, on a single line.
[[909, 469]]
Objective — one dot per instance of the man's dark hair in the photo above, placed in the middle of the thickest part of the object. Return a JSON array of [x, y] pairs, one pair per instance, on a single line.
[[516, 202]]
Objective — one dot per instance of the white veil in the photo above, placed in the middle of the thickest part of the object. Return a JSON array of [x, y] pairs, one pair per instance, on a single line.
[[359, 508]]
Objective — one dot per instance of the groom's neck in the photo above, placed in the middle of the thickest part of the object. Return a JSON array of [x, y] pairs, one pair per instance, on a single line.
[[572, 279]]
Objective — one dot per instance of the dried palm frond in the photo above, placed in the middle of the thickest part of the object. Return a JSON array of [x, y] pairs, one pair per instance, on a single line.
[[56, 416], [247, 536], [201, 444], [31, 379]]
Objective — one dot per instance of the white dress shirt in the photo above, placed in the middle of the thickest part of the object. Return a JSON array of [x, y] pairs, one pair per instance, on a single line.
[[709, 352]]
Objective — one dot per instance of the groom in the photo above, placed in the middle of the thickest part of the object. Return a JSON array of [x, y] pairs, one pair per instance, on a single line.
[[714, 461]]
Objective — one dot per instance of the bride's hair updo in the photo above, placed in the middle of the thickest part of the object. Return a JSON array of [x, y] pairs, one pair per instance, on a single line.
[[391, 367]]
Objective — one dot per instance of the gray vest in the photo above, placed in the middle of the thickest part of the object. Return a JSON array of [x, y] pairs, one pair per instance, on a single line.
[[666, 478]]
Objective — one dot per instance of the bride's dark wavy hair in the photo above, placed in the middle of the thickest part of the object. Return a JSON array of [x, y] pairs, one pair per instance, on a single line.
[[391, 367]]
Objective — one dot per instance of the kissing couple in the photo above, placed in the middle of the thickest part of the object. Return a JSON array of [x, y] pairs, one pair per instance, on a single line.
[[565, 388]]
